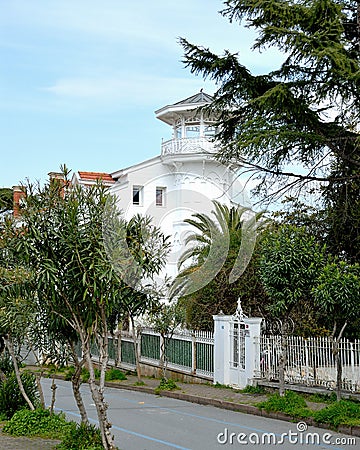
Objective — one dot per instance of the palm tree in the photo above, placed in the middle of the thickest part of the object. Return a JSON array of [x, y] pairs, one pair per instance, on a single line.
[[220, 250]]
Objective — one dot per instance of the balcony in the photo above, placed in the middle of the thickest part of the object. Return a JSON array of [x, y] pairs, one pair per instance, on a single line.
[[187, 145]]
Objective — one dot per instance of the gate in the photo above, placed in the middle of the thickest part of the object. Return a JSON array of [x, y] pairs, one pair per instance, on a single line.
[[236, 348]]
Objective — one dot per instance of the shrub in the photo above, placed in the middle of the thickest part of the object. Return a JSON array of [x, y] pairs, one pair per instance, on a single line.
[[69, 372], [114, 374], [6, 364], [85, 374], [253, 390], [81, 437], [343, 412], [11, 399], [322, 398], [166, 385], [37, 423], [291, 403]]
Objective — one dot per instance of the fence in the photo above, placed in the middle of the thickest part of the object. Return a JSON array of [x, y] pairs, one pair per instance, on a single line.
[[187, 352], [311, 361]]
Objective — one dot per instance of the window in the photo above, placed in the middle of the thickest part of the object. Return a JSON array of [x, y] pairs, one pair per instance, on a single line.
[[137, 192], [192, 131], [160, 196], [210, 131]]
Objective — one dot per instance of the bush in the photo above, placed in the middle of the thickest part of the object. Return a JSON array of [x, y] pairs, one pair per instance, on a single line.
[[81, 437], [343, 412], [166, 385], [11, 399], [37, 423], [69, 372], [253, 390], [291, 403], [114, 374], [6, 364], [322, 398]]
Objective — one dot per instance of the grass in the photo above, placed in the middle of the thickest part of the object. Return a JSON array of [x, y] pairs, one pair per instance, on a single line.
[[38, 423], [41, 423], [253, 390], [344, 412], [166, 385], [291, 403]]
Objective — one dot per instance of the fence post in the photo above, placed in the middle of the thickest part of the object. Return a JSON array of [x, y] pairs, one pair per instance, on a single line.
[[193, 353], [222, 349]]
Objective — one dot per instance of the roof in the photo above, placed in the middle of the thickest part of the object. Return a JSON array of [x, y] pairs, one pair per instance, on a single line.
[[93, 176], [201, 97], [187, 106]]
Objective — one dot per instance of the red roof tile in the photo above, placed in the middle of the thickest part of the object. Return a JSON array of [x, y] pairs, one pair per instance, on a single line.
[[93, 176]]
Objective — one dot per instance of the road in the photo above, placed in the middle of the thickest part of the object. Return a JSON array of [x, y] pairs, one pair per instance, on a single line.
[[147, 422]]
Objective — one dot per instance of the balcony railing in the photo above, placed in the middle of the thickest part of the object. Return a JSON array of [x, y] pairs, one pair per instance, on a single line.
[[187, 145]]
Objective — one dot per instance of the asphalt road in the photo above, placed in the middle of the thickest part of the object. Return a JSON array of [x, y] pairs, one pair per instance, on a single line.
[[147, 422]]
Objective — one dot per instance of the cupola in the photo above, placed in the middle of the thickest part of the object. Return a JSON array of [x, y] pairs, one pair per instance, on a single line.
[[193, 127]]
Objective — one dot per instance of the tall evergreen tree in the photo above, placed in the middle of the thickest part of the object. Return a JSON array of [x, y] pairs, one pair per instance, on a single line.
[[305, 113]]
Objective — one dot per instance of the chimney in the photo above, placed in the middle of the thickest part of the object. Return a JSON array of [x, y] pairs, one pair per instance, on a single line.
[[57, 179], [18, 194]]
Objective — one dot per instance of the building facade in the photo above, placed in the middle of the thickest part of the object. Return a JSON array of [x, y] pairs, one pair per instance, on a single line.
[[182, 180]]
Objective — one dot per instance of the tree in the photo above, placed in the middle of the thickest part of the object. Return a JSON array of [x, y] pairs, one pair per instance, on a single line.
[[62, 238], [165, 320], [16, 313], [138, 251], [6, 200], [290, 263], [219, 264], [304, 114], [337, 293]]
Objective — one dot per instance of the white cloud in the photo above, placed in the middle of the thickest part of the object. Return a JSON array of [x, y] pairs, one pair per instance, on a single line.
[[138, 89]]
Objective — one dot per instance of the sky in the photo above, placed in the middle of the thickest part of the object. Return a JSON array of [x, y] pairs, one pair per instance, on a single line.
[[80, 79]]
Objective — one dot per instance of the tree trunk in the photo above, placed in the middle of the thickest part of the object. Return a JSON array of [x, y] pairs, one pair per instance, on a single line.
[[136, 348], [53, 395], [282, 361], [117, 345], [162, 354], [337, 354], [40, 389], [76, 383], [10, 348], [38, 377], [97, 393], [338, 376]]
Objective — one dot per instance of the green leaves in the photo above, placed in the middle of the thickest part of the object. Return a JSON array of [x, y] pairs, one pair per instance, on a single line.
[[338, 290], [290, 263], [304, 113]]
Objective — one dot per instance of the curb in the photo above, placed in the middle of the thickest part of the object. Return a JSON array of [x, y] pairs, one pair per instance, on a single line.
[[231, 406]]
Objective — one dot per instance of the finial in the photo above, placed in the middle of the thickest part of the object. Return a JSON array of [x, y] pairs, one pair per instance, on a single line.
[[239, 313]]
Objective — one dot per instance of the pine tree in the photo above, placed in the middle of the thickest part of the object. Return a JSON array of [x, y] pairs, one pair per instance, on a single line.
[[305, 113]]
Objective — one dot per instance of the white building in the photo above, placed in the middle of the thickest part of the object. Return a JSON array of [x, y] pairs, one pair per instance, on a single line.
[[182, 180]]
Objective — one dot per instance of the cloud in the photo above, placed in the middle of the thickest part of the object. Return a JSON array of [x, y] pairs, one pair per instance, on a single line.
[[140, 89]]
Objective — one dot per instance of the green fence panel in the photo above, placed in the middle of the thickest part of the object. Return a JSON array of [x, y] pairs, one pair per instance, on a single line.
[[112, 349], [78, 349], [179, 352], [94, 349], [205, 357], [128, 352], [150, 346]]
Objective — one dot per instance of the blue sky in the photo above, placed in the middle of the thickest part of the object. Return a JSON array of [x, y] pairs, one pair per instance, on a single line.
[[80, 79]]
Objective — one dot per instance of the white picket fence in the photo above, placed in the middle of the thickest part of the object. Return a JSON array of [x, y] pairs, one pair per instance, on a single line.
[[311, 361]]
